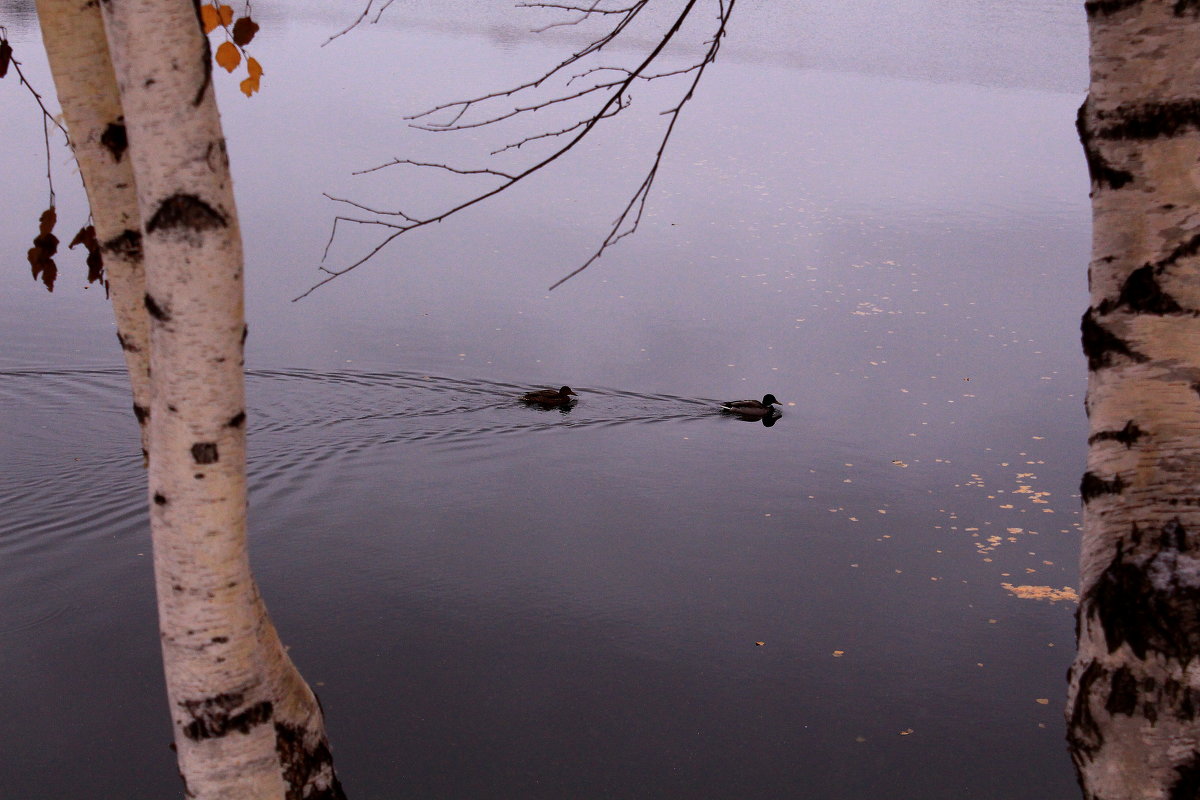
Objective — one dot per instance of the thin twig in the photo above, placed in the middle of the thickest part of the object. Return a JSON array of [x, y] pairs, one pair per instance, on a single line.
[[48, 119], [365, 13], [617, 98]]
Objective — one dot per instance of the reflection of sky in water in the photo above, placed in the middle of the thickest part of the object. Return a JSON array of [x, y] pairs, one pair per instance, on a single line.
[[879, 215]]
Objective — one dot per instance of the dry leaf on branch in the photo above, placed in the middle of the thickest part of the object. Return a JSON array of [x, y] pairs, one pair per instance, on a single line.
[[243, 31], [228, 56]]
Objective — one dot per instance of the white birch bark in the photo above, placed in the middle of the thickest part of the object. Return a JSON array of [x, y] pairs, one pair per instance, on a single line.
[[1134, 690], [73, 34], [246, 725]]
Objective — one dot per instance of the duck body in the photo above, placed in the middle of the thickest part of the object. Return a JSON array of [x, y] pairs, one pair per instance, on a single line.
[[752, 408], [550, 397]]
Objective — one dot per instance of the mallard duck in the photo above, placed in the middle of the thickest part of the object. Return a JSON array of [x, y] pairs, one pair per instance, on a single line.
[[752, 408], [549, 397]]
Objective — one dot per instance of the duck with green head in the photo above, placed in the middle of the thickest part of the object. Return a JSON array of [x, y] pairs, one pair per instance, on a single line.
[[753, 408]]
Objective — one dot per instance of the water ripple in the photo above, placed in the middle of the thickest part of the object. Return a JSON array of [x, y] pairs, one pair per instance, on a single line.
[[71, 460]]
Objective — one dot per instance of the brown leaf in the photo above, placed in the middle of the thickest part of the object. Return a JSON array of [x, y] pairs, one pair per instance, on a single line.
[[45, 245], [95, 262], [228, 56], [243, 31], [47, 220], [5, 56]]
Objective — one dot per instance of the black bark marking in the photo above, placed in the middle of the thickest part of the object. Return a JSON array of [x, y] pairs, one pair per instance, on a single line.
[[206, 58], [187, 213], [1140, 599], [212, 717], [1186, 7], [1184, 250], [237, 420], [1103, 8], [1093, 486], [245, 333], [1102, 173], [1102, 346], [1083, 734], [205, 452], [1187, 781], [156, 311], [160, 499], [1141, 293], [1122, 693], [1127, 436], [115, 140], [220, 639], [127, 244], [126, 345], [1146, 121], [1183, 699], [142, 413], [302, 763]]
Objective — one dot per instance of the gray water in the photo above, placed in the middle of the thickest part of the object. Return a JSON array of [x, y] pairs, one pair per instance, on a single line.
[[879, 216]]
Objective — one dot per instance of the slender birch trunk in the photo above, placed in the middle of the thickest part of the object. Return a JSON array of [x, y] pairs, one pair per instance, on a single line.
[[246, 725], [73, 34], [1135, 685]]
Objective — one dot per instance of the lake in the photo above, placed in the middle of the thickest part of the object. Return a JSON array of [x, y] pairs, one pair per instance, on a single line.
[[881, 217]]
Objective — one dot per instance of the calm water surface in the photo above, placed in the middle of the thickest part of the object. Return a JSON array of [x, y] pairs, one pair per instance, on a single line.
[[880, 218]]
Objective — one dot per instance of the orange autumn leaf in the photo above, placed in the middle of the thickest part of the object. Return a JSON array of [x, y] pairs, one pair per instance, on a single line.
[[212, 16], [249, 86], [209, 19], [253, 67], [228, 56]]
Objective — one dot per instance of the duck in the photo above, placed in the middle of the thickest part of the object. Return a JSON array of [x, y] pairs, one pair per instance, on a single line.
[[550, 397], [753, 408]]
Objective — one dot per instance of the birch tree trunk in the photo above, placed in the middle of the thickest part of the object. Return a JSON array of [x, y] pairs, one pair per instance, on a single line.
[[73, 34], [246, 725], [1135, 685]]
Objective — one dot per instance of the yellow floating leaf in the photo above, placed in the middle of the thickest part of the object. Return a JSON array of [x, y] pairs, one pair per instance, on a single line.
[[759, 644], [1044, 701], [253, 67], [228, 56]]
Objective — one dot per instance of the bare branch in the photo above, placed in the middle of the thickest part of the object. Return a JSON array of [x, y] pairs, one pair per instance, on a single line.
[[585, 13], [593, 47], [454, 126], [365, 13], [397, 161], [550, 134], [615, 98], [48, 119]]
